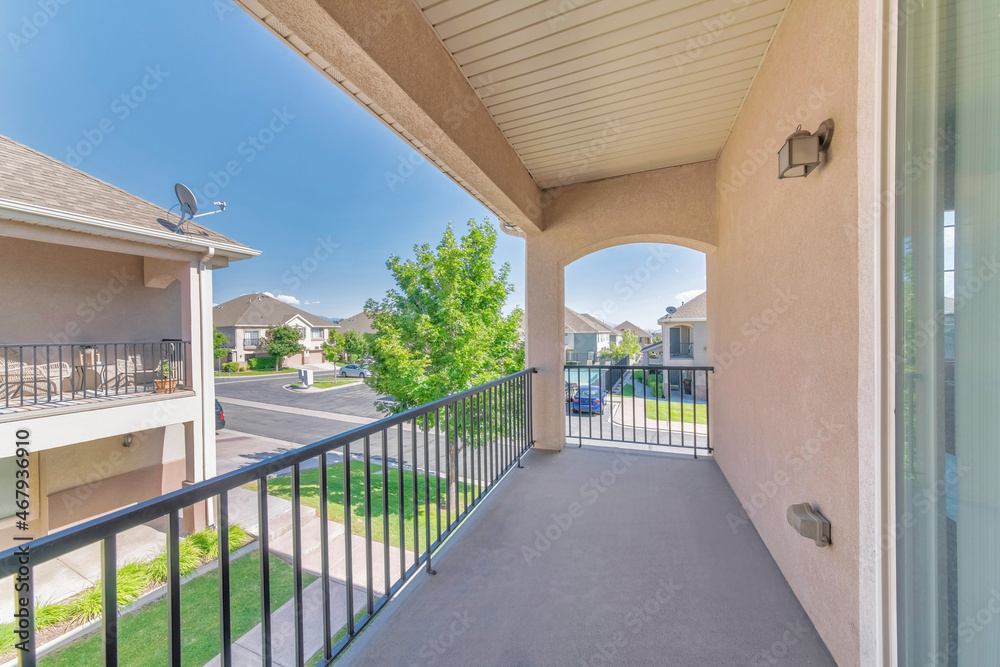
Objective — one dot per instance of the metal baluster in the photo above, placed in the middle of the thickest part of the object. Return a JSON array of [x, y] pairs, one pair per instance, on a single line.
[[265, 572], [109, 600], [416, 499], [708, 422], [401, 491], [670, 410], [385, 514], [348, 540], [427, 494], [437, 469], [370, 591], [324, 551], [174, 590], [465, 454], [297, 563], [225, 613]]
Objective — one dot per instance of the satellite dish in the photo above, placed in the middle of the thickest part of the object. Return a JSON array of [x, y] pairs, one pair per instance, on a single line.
[[189, 204], [671, 310]]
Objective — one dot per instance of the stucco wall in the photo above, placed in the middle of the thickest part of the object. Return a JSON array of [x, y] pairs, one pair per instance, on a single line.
[[783, 316], [60, 294]]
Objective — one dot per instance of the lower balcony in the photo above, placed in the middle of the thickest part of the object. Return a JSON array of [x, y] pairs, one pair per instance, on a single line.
[[43, 377]]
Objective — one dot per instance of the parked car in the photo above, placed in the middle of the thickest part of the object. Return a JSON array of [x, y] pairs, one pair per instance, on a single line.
[[354, 371], [590, 398], [220, 416]]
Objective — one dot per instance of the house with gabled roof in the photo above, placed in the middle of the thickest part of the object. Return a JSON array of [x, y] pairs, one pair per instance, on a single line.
[[587, 337], [105, 344], [245, 319], [685, 333]]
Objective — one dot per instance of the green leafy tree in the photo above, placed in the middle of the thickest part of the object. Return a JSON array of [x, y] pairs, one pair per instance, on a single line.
[[629, 346], [442, 330], [355, 343], [333, 346], [221, 344], [281, 342]]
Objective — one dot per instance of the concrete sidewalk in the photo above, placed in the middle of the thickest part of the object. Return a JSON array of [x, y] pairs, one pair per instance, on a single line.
[[625, 406]]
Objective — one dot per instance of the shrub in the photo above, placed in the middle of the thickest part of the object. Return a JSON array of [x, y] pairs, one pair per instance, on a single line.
[[231, 366], [207, 541], [242, 368], [261, 364], [190, 559]]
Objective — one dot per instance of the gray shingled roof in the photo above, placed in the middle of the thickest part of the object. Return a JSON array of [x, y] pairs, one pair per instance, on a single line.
[[695, 309], [584, 323], [360, 322], [638, 331], [30, 177], [261, 310]]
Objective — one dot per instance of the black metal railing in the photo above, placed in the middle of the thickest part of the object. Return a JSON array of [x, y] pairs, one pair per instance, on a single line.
[[40, 374], [682, 351], [653, 405], [461, 446]]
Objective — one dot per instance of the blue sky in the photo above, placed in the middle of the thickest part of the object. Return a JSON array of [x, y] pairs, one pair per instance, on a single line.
[[146, 94]]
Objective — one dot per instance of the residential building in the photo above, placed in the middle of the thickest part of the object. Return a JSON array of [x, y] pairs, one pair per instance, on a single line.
[[645, 337], [685, 333], [245, 319], [360, 323], [835, 383], [102, 301], [587, 337]]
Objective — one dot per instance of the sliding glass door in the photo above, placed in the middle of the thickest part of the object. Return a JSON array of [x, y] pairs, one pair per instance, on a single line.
[[948, 333]]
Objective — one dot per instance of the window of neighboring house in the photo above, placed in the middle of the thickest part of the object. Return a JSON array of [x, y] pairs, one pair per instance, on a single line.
[[317, 333], [251, 338], [302, 332]]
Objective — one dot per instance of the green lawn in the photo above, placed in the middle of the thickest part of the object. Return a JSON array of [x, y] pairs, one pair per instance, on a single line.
[[672, 411], [267, 372], [326, 384], [142, 635], [281, 487]]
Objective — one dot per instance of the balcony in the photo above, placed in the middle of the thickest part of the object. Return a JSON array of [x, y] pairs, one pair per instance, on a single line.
[[601, 554], [42, 377]]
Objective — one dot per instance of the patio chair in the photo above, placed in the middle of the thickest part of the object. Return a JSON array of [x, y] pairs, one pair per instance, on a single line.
[[131, 372], [18, 377]]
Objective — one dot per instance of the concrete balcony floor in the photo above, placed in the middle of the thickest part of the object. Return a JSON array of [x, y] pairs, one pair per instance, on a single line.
[[599, 556]]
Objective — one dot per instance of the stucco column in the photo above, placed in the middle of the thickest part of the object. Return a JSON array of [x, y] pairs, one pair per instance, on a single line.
[[544, 320]]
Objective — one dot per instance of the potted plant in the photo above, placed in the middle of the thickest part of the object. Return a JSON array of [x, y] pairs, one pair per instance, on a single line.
[[167, 384]]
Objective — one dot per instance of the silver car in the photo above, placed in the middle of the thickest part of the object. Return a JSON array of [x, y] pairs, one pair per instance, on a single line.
[[354, 371]]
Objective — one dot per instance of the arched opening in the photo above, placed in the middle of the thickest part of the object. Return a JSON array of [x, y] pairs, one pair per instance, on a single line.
[[630, 372]]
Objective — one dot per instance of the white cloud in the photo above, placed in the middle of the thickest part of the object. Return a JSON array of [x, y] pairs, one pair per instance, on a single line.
[[686, 296], [311, 303], [283, 297]]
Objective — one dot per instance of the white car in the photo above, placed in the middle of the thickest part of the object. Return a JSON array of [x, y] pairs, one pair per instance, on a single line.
[[354, 371]]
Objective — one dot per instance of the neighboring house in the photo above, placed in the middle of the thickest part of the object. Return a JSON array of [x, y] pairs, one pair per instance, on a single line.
[[360, 322], [685, 334], [587, 336], [102, 301], [245, 319], [645, 338]]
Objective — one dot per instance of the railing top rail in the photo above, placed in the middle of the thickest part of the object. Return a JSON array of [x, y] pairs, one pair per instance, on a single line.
[[88, 344], [655, 367], [61, 543]]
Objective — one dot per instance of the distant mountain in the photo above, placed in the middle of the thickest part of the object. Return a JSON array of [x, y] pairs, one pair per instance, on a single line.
[[331, 319]]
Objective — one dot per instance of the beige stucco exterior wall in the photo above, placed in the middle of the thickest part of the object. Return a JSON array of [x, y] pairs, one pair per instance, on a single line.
[[61, 294], [783, 317]]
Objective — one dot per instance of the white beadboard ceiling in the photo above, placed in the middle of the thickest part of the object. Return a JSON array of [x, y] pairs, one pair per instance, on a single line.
[[589, 89]]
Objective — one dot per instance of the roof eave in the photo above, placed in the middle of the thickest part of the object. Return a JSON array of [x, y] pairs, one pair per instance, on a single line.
[[41, 215]]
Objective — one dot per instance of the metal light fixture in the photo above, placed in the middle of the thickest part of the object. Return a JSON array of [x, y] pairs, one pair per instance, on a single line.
[[127, 440], [803, 151]]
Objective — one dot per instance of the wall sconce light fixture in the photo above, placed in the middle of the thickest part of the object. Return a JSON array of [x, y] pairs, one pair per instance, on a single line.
[[127, 440], [803, 152]]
